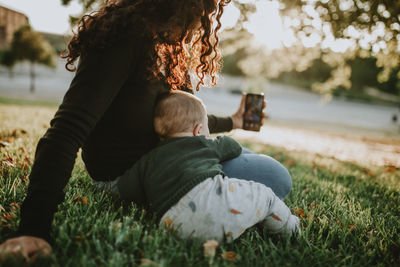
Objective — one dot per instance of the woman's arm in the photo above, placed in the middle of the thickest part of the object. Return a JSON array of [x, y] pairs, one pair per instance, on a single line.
[[219, 124], [97, 81], [235, 121]]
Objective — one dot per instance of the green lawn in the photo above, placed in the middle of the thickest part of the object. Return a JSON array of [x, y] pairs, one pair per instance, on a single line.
[[350, 215]]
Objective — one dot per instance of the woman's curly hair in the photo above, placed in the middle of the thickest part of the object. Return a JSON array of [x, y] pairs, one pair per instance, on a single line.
[[182, 33]]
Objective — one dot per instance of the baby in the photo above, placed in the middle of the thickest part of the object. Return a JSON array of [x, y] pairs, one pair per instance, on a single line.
[[182, 181]]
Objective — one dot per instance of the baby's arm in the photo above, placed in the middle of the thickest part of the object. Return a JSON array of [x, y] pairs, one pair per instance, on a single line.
[[226, 147], [127, 186], [279, 218]]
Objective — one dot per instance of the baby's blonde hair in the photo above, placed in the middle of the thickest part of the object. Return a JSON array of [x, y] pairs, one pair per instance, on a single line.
[[176, 112]]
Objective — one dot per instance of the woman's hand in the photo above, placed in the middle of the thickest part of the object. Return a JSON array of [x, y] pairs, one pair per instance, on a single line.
[[27, 247], [237, 118]]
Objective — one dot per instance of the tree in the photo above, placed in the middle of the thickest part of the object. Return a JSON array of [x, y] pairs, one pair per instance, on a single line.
[[7, 58], [372, 28], [30, 45]]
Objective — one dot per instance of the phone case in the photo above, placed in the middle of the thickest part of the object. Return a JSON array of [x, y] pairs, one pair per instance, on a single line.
[[253, 112]]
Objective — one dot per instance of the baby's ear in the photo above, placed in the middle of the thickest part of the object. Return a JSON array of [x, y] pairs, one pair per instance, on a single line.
[[197, 129]]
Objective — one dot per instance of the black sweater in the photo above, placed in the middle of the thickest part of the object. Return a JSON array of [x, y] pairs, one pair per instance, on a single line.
[[108, 111]]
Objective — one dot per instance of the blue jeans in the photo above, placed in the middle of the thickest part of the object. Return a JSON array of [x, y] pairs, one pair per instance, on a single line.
[[260, 168]]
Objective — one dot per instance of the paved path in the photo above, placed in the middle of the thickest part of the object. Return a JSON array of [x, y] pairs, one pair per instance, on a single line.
[[346, 147]]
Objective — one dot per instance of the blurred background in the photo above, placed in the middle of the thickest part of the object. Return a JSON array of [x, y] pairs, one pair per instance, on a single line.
[[330, 70]]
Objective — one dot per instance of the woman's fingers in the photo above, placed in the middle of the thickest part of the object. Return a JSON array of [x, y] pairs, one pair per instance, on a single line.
[[237, 118], [263, 114], [242, 103], [36, 248]]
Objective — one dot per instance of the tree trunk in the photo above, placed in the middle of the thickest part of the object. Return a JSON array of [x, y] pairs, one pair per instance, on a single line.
[[32, 75], [10, 73]]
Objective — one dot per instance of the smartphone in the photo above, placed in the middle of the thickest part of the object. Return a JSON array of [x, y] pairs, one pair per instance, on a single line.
[[253, 112]]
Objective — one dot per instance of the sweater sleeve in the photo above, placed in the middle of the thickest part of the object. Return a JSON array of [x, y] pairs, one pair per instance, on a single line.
[[226, 147], [219, 124], [98, 79], [129, 185]]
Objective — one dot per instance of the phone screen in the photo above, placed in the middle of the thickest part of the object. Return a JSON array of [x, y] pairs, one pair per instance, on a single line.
[[253, 112]]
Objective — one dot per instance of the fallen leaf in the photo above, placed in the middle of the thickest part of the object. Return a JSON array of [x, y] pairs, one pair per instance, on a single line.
[[85, 200], [369, 172], [27, 160], [236, 211], [14, 206], [146, 262], [290, 163], [79, 238], [229, 256], [4, 143], [299, 212], [76, 198], [390, 169], [9, 162], [209, 248], [168, 222], [7, 216], [351, 227]]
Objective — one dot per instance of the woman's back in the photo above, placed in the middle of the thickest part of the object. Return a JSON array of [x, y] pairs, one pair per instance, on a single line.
[[125, 132]]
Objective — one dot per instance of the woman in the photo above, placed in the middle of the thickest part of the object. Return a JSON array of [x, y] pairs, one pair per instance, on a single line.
[[130, 51]]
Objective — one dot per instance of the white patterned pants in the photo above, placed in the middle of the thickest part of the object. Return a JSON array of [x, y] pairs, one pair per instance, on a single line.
[[222, 207]]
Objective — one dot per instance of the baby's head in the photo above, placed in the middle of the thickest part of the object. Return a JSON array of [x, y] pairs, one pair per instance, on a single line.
[[178, 113]]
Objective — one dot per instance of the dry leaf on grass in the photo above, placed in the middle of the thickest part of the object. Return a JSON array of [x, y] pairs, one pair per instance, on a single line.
[[85, 200], [79, 199], [9, 162], [147, 263], [230, 256], [299, 212], [290, 163], [351, 227], [8, 216], [210, 247], [390, 169]]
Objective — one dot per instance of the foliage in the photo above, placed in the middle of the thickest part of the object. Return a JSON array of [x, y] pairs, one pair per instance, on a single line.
[[363, 75], [57, 41], [350, 215], [371, 28], [7, 58], [30, 45]]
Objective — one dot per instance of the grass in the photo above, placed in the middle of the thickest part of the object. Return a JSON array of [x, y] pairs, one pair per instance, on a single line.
[[19, 101], [350, 215]]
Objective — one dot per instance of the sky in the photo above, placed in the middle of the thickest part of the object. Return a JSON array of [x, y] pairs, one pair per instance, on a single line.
[[45, 15], [266, 24], [51, 16]]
